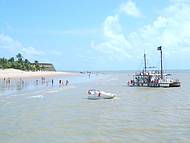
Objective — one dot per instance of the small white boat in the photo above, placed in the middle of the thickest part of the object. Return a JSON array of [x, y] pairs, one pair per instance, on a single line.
[[97, 94]]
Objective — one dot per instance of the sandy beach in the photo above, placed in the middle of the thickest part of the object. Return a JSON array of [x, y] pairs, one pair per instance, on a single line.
[[15, 74]]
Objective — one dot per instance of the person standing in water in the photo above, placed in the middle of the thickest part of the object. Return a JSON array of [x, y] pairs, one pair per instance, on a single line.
[[60, 83], [52, 82], [67, 82], [36, 82]]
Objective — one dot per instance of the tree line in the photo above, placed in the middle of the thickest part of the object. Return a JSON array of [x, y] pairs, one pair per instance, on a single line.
[[19, 62]]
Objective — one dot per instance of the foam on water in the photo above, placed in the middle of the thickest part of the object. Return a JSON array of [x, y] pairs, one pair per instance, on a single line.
[[36, 96], [53, 91]]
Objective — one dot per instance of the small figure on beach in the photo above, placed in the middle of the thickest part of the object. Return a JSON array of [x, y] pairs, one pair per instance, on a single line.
[[47, 83], [21, 82], [43, 80], [67, 82], [36, 82], [52, 82], [62, 83], [4, 81], [8, 82]]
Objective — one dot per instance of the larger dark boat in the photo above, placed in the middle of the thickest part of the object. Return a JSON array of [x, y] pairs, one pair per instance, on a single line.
[[153, 78]]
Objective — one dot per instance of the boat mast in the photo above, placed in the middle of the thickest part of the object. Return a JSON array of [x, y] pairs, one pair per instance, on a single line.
[[144, 71], [144, 62], [161, 70]]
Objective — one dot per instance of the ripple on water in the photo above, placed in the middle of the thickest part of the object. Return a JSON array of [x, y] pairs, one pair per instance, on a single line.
[[36, 96]]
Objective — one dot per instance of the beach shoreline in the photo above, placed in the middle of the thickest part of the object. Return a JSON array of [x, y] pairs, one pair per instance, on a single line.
[[17, 74]]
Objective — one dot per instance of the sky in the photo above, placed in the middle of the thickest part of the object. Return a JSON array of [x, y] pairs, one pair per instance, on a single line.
[[97, 34]]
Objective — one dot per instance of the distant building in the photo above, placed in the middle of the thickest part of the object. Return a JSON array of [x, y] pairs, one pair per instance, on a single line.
[[46, 66]]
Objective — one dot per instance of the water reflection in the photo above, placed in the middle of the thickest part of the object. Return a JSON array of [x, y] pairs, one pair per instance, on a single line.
[[19, 84]]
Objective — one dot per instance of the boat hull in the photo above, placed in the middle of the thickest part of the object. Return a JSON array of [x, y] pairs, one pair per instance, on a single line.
[[169, 83], [94, 97], [96, 94], [175, 84], [164, 85]]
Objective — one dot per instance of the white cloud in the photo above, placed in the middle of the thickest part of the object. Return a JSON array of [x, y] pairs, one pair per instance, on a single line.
[[130, 8], [111, 26], [74, 32], [32, 51], [180, 1], [115, 44], [11, 45], [171, 30]]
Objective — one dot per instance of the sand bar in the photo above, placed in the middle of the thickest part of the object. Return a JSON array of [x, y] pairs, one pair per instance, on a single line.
[[14, 74]]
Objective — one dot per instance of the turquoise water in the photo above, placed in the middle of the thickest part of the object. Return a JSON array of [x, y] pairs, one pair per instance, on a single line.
[[64, 114]]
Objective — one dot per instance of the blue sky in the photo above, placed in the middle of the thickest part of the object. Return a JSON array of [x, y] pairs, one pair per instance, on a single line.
[[97, 35]]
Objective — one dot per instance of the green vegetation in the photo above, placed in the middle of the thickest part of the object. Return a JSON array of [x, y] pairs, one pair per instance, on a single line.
[[19, 63]]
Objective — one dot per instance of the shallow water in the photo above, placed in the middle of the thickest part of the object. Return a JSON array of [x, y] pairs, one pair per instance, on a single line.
[[64, 114]]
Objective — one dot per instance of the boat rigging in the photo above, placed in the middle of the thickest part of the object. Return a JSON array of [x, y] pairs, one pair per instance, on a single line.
[[153, 78]]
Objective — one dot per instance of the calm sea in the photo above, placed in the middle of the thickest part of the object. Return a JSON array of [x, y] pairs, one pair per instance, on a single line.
[[62, 114]]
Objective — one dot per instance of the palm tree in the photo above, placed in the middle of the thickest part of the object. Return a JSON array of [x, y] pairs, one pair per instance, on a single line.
[[27, 61], [36, 63], [11, 59], [4, 62], [19, 57]]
